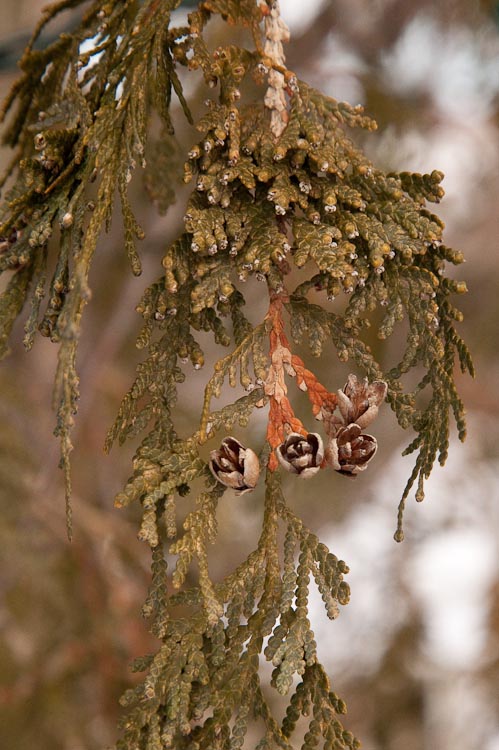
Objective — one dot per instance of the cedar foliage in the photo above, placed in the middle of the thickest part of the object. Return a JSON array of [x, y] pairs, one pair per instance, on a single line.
[[305, 202]]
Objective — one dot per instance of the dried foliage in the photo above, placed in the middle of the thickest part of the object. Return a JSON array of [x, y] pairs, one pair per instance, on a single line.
[[270, 201]]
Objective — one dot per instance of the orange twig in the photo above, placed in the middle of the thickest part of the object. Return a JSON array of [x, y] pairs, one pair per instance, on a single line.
[[320, 398], [282, 419]]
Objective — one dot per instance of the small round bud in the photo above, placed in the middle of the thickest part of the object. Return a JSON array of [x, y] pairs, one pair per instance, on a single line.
[[67, 220]]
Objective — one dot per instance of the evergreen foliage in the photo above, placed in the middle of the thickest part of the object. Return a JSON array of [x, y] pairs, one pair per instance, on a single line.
[[278, 194]]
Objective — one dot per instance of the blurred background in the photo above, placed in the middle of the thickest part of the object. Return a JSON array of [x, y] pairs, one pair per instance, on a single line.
[[416, 652]]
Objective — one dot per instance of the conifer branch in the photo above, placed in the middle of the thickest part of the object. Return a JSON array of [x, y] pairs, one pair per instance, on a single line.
[[270, 194]]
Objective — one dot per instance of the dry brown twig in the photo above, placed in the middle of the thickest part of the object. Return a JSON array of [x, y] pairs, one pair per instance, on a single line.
[[276, 32]]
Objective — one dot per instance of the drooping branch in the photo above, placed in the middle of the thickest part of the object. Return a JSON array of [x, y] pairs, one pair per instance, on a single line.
[[279, 187]]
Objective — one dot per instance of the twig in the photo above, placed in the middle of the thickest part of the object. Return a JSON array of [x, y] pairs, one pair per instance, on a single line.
[[276, 32]]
